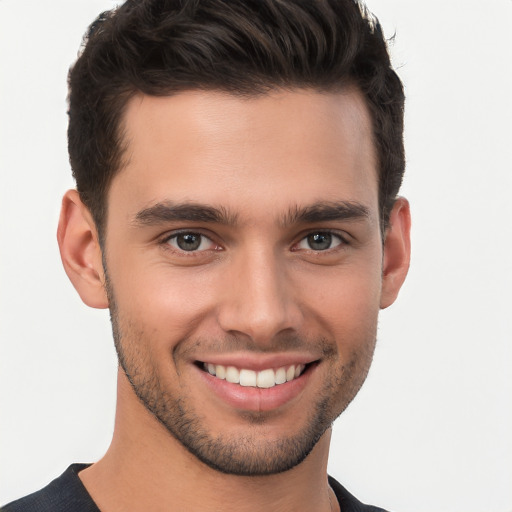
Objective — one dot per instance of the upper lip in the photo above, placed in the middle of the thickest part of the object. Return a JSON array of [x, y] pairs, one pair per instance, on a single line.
[[251, 361]]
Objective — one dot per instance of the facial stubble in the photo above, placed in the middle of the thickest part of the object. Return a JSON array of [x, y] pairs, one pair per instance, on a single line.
[[248, 454]]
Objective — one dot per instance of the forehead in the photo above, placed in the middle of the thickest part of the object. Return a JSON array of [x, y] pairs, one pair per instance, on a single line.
[[254, 155]]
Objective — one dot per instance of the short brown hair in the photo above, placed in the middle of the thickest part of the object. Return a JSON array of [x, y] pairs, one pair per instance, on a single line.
[[244, 47]]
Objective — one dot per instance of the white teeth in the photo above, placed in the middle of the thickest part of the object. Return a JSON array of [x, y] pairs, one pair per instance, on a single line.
[[264, 379], [280, 376], [247, 378], [232, 375]]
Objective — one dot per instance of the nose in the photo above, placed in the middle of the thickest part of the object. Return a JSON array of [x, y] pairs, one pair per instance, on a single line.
[[258, 299]]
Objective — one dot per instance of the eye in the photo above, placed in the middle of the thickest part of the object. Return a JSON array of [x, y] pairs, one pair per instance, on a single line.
[[190, 242], [320, 241]]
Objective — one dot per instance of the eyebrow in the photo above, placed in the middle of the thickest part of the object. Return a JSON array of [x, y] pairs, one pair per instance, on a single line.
[[323, 211], [193, 212]]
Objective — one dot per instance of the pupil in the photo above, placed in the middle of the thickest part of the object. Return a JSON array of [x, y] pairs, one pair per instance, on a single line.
[[320, 241], [188, 241]]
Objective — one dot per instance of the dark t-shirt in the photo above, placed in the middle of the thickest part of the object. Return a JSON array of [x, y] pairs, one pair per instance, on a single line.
[[68, 494]]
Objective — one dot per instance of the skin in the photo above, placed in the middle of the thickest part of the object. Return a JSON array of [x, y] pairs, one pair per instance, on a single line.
[[255, 294]]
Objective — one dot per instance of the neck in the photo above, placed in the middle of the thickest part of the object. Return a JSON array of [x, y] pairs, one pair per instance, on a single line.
[[145, 468]]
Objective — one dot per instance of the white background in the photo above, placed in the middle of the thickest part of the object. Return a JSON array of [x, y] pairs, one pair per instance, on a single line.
[[431, 431]]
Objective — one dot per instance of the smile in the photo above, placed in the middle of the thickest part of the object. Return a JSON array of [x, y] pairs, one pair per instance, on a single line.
[[265, 379]]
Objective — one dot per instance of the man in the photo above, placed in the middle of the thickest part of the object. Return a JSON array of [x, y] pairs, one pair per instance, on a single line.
[[237, 169]]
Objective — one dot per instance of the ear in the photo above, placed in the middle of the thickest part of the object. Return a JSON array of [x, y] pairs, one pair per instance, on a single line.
[[80, 251], [397, 252]]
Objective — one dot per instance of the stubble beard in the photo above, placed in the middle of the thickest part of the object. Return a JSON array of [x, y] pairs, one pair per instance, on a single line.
[[249, 454]]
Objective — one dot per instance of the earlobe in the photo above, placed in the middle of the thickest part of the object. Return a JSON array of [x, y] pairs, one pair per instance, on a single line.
[[80, 251], [397, 252]]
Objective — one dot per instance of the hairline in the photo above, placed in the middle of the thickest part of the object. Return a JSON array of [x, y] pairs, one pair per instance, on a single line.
[[123, 142]]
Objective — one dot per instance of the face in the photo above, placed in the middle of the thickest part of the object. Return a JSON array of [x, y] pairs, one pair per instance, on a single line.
[[244, 264]]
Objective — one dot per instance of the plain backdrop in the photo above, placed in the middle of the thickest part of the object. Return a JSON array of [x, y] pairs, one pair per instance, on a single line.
[[431, 431]]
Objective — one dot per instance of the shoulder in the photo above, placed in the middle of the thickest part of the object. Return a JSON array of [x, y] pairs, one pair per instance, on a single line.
[[63, 494], [348, 502]]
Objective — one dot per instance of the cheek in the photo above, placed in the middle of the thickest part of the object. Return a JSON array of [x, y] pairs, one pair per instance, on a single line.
[[169, 304], [346, 303], [162, 301]]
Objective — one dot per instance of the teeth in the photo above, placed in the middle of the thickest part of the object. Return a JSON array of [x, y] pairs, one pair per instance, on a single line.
[[263, 379], [232, 375], [247, 378], [280, 376], [266, 379]]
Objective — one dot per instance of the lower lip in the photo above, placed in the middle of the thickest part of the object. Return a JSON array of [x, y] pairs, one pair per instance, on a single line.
[[249, 398]]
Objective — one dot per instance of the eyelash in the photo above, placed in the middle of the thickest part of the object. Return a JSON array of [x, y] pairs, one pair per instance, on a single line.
[[164, 242], [334, 234]]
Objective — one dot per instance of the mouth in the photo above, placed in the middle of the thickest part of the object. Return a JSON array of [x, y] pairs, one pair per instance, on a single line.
[[263, 379], [258, 384]]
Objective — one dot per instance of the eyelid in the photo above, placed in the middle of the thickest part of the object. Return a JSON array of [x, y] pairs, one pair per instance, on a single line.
[[343, 237], [164, 241]]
